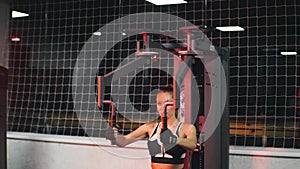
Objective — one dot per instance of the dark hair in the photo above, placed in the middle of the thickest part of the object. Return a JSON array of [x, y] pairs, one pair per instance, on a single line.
[[168, 89]]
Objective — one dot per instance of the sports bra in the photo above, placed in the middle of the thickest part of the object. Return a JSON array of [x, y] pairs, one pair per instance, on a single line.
[[175, 155]]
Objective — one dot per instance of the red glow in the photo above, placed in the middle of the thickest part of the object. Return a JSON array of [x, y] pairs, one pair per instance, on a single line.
[[15, 39]]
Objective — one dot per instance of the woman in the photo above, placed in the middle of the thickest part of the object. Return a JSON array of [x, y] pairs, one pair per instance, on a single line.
[[167, 148]]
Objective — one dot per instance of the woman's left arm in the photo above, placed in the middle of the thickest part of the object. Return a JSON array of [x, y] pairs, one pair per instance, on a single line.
[[190, 141]]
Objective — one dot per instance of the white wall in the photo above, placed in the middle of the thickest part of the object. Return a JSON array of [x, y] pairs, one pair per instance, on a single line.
[[37, 151], [263, 158], [32, 151]]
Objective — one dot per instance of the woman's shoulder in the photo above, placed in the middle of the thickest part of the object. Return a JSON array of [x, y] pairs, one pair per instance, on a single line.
[[188, 127], [149, 127], [151, 124], [186, 124], [145, 128]]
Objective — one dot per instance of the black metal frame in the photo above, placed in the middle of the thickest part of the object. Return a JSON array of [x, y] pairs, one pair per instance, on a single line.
[[214, 152], [3, 116]]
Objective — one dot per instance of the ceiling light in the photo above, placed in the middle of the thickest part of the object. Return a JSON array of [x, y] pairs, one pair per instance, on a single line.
[[15, 39], [167, 2], [16, 14], [288, 53], [230, 28], [97, 33]]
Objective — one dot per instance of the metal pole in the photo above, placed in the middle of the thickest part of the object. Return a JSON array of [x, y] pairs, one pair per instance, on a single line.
[[4, 22]]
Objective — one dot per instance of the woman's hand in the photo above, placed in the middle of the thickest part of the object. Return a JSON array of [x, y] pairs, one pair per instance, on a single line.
[[111, 134], [168, 139]]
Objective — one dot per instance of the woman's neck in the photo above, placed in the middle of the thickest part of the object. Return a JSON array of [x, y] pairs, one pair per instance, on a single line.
[[172, 122]]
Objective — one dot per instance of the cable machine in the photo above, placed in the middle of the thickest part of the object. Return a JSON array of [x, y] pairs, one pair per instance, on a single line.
[[190, 75]]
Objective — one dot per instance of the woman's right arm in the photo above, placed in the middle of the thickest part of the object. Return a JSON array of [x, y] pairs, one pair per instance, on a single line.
[[135, 135]]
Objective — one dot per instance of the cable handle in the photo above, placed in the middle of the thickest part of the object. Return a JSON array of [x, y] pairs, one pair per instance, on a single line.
[[164, 118], [112, 122], [111, 118]]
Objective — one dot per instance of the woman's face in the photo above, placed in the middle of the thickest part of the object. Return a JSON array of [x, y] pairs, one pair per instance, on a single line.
[[161, 99]]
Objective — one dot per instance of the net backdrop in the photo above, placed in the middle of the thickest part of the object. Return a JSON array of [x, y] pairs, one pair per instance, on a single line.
[[263, 84]]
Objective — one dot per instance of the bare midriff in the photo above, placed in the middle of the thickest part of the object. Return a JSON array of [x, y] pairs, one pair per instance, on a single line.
[[166, 166]]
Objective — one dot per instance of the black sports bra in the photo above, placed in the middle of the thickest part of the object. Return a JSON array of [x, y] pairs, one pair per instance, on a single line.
[[175, 155]]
